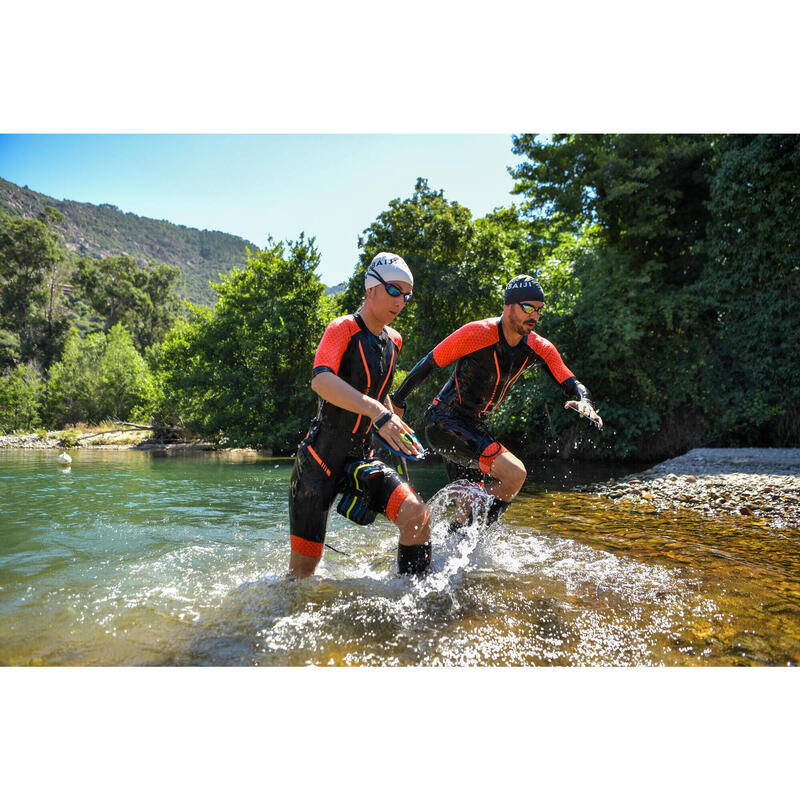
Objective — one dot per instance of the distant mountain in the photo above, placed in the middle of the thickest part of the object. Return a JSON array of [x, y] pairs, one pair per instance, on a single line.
[[104, 230], [338, 289]]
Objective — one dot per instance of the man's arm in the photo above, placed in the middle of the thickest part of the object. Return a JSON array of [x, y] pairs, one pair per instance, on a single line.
[[467, 339], [335, 390], [565, 378], [415, 378]]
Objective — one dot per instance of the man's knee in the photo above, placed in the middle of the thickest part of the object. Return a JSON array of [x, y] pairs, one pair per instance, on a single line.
[[414, 512], [413, 520], [510, 471]]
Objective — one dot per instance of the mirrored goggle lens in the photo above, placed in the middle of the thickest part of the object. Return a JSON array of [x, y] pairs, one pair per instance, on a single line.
[[529, 309], [394, 291]]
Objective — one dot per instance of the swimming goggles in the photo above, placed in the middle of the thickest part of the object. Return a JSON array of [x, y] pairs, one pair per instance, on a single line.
[[394, 291]]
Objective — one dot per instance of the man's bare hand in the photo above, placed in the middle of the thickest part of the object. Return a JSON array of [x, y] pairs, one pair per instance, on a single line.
[[392, 432], [585, 409]]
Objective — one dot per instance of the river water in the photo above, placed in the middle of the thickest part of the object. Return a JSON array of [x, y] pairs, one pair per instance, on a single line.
[[128, 558]]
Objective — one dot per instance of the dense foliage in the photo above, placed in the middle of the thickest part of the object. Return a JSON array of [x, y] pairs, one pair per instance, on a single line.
[[119, 290], [73, 333], [752, 287], [669, 263], [241, 374], [685, 233], [30, 266], [99, 377]]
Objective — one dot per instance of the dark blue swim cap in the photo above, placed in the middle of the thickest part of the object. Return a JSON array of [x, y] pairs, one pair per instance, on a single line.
[[523, 289]]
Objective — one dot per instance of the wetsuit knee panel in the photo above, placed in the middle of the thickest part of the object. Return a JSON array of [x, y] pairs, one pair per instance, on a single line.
[[372, 488], [488, 456]]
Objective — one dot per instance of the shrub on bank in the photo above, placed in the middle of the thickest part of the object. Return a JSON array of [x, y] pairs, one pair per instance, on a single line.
[[98, 377], [20, 397]]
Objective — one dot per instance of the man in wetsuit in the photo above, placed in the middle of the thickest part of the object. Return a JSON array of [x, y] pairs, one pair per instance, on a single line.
[[489, 356], [352, 375]]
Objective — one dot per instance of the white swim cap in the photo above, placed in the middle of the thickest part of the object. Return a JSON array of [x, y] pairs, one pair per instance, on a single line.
[[390, 267]]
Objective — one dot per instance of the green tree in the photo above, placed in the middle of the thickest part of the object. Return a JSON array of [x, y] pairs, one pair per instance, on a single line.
[[126, 389], [20, 396], [635, 332], [73, 388], [99, 377], [142, 298], [29, 254], [752, 284], [241, 374]]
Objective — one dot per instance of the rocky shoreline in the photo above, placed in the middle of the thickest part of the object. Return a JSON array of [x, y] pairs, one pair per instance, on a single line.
[[123, 440], [762, 483], [112, 440]]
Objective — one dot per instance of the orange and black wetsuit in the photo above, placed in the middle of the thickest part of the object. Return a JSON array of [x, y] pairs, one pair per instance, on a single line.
[[486, 368], [338, 441]]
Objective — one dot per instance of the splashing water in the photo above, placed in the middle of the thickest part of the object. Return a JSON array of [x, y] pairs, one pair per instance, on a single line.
[[133, 560]]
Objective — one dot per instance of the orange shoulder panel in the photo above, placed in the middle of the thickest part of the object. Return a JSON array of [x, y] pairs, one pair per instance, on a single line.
[[467, 339], [395, 337], [547, 350], [334, 342]]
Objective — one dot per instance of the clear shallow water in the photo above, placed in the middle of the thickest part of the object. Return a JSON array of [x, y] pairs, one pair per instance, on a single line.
[[133, 559]]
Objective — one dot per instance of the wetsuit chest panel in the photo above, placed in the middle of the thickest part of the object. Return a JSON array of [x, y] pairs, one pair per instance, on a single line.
[[483, 376], [360, 358], [488, 365]]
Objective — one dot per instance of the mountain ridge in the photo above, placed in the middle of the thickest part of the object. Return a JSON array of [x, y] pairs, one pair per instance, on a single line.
[[104, 230]]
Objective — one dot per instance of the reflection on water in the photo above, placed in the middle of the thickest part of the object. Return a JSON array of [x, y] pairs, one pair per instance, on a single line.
[[130, 559]]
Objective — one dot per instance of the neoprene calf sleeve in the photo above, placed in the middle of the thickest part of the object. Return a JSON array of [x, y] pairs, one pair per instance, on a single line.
[[413, 559]]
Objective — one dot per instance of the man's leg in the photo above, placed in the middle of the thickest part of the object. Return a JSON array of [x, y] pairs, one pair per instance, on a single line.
[[301, 566], [414, 521], [311, 493], [413, 518], [509, 474], [414, 548]]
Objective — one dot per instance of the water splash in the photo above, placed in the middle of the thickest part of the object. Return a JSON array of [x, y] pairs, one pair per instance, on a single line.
[[185, 563]]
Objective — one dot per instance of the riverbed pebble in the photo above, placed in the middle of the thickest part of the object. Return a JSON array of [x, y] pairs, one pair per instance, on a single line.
[[751, 482]]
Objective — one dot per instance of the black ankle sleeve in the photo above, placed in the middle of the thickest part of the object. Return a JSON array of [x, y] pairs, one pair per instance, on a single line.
[[497, 507], [413, 559]]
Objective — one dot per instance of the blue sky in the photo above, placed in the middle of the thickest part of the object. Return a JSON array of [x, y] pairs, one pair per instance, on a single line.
[[331, 186]]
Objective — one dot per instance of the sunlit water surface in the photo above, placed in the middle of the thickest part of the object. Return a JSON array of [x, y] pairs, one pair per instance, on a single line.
[[128, 558]]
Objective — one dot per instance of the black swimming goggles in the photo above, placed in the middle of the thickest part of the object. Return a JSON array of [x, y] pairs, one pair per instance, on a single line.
[[394, 291]]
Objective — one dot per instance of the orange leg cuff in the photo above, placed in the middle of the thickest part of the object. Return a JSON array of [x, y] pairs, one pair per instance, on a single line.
[[489, 455], [306, 548], [396, 500]]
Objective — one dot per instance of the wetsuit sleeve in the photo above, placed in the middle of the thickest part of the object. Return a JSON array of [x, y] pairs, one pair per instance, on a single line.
[[417, 376], [546, 350], [332, 346], [467, 339], [574, 387]]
